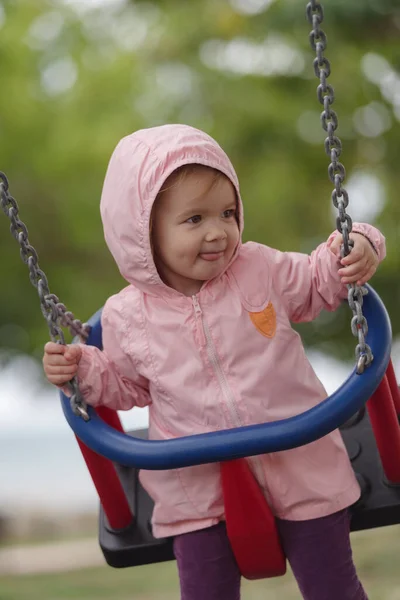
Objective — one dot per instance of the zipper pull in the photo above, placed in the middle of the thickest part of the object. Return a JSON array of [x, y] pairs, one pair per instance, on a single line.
[[196, 306]]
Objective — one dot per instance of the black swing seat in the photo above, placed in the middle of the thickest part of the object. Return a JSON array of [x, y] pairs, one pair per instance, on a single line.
[[378, 506], [134, 545]]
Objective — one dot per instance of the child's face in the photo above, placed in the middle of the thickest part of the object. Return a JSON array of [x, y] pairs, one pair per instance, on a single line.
[[195, 231]]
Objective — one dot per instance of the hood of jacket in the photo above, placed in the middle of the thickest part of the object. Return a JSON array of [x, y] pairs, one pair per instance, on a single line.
[[138, 167]]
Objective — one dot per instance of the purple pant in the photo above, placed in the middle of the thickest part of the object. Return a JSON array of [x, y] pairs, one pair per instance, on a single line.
[[318, 551]]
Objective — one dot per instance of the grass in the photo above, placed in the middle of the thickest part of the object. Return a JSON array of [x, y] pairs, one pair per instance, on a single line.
[[376, 555], [39, 540]]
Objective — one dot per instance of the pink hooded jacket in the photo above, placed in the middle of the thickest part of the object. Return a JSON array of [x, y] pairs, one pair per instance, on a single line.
[[223, 358]]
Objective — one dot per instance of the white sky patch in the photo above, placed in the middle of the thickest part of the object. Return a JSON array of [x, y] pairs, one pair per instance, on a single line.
[[372, 120], [367, 196], [251, 7], [390, 88], [375, 67], [82, 7], [59, 76], [175, 80], [44, 30], [130, 32], [378, 70], [274, 56], [127, 29], [2, 15], [168, 86], [25, 402], [28, 403]]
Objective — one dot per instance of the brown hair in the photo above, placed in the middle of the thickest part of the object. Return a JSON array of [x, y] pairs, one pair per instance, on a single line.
[[180, 174]]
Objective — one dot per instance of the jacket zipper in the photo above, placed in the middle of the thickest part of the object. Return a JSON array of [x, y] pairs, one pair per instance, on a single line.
[[224, 385], [212, 354]]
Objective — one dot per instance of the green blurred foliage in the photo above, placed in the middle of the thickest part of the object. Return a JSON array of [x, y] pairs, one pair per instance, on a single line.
[[75, 81]]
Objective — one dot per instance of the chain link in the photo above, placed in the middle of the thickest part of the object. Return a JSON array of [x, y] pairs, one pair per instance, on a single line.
[[337, 174], [53, 310]]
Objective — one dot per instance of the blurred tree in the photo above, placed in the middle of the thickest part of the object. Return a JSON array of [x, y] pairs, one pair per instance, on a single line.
[[77, 76]]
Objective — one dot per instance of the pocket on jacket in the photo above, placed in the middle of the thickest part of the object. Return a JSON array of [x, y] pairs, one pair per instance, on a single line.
[[265, 320]]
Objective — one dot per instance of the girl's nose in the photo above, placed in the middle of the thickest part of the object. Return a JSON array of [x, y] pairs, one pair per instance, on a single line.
[[216, 233]]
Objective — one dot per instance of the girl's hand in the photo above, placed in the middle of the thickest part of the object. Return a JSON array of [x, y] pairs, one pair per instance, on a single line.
[[60, 362], [362, 262]]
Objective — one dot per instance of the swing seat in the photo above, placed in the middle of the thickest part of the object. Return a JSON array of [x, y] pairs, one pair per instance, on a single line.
[[134, 545], [250, 523], [378, 506]]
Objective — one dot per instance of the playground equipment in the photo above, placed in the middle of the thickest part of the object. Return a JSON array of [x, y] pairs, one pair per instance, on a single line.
[[372, 436]]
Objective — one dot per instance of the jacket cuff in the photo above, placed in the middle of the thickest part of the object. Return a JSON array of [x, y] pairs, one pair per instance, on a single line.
[[373, 235], [84, 367]]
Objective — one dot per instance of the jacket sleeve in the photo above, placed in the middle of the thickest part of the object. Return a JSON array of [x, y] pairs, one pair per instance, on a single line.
[[307, 284], [109, 377]]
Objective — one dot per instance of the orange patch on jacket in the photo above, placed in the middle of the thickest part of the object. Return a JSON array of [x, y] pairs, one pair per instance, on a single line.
[[265, 321]]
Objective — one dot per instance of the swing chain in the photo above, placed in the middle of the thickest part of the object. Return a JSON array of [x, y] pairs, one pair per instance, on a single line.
[[337, 174], [53, 310]]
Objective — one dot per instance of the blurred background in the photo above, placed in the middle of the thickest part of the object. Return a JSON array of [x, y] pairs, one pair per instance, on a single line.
[[76, 76]]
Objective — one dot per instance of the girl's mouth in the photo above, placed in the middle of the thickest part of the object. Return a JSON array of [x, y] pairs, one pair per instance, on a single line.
[[211, 256]]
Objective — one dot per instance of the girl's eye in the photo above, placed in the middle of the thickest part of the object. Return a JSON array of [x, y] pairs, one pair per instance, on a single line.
[[229, 213], [194, 219]]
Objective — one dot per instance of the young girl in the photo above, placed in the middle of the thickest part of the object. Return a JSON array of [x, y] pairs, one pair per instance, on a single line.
[[202, 336]]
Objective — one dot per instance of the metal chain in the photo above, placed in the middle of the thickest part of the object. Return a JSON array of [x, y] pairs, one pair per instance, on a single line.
[[337, 174], [53, 310]]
